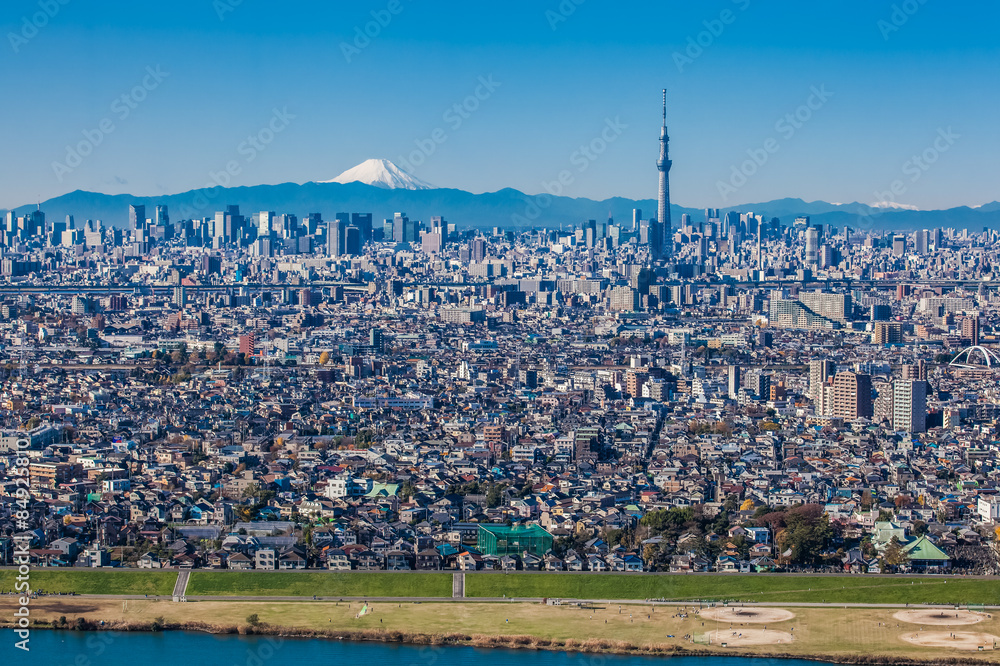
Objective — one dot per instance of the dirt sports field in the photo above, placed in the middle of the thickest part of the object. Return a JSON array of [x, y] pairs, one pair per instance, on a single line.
[[939, 616], [962, 640], [746, 637], [746, 615]]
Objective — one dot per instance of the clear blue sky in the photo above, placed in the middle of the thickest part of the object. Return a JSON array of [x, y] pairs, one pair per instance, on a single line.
[[892, 92]]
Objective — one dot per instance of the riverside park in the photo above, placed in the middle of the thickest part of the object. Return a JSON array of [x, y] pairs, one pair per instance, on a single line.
[[856, 619]]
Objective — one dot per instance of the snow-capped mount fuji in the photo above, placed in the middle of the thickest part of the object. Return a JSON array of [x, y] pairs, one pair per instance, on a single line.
[[381, 173], [892, 205]]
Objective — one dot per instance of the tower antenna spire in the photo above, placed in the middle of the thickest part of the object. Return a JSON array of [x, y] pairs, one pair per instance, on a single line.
[[663, 245]]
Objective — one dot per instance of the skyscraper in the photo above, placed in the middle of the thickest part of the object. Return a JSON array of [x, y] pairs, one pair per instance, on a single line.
[[363, 221], [899, 245], [478, 249], [663, 165], [909, 405], [812, 245], [265, 223], [352, 241], [970, 329], [136, 216], [852, 395], [734, 381], [819, 372]]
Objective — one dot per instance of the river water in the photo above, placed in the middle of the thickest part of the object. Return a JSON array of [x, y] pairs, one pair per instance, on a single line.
[[174, 648]]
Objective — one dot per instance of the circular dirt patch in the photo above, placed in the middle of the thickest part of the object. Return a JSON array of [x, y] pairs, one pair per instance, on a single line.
[[746, 615], [748, 637], [938, 616], [962, 640]]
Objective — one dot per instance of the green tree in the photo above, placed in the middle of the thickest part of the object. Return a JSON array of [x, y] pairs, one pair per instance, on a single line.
[[494, 495], [894, 556], [364, 439]]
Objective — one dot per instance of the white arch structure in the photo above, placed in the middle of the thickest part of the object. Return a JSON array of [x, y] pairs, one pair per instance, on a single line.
[[990, 358]]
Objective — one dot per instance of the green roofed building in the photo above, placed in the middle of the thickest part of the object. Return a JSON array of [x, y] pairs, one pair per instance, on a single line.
[[925, 556], [503, 540], [383, 490]]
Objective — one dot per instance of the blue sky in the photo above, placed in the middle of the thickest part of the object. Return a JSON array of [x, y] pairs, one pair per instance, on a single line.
[[898, 74]]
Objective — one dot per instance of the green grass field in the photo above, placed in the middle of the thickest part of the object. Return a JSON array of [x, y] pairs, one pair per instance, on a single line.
[[88, 581], [322, 584], [840, 589], [748, 588]]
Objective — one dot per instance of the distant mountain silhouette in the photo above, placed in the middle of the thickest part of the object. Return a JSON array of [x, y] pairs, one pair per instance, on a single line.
[[504, 208]]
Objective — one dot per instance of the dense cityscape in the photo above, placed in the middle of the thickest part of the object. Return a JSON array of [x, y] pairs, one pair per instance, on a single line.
[[738, 393]]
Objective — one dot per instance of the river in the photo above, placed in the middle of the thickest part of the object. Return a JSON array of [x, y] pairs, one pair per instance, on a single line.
[[175, 648]]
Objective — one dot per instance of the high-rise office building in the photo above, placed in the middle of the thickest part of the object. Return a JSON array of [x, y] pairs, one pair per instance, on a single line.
[[937, 239], [899, 245], [363, 221], [478, 249], [265, 223], [336, 235], [312, 223], [136, 216], [812, 246], [352, 241]]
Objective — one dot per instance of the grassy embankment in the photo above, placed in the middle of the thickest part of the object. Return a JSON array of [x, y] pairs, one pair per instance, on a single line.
[[779, 589], [747, 588], [321, 584], [94, 581]]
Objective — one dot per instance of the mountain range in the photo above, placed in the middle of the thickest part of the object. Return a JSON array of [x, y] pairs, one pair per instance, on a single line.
[[380, 187]]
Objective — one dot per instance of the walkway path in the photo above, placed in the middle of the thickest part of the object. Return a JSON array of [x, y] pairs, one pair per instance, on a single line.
[[529, 600], [180, 587]]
